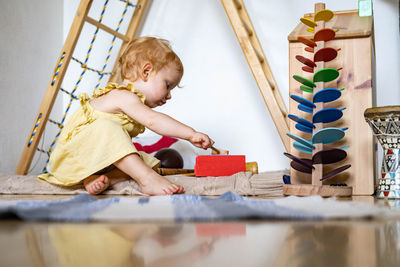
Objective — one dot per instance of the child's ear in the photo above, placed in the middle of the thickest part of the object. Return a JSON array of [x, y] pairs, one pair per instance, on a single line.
[[146, 71]]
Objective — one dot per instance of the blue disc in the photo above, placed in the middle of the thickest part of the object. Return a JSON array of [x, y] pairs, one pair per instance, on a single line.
[[301, 140], [301, 121], [303, 101], [327, 135], [327, 115], [326, 95], [305, 108], [303, 128], [302, 148]]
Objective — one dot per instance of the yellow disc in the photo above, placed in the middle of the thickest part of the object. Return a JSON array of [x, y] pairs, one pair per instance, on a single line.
[[336, 30], [324, 14], [308, 22], [311, 30]]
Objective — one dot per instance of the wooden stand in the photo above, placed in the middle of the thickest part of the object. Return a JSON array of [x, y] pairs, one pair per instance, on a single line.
[[316, 187]]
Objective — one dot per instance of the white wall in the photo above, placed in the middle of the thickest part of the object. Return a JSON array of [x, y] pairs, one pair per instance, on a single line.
[[31, 39], [220, 96]]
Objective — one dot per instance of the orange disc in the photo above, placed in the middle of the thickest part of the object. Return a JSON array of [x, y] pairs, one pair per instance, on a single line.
[[324, 35], [307, 41], [309, 49]]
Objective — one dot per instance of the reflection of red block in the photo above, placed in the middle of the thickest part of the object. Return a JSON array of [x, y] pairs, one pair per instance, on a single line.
[[220, 229], [219, 165]]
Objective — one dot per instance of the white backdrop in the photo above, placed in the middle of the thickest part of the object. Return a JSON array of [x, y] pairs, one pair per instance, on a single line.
[[220, 96]]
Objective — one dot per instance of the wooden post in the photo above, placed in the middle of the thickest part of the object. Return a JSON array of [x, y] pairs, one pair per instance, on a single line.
[[317, 173], [258, 63]]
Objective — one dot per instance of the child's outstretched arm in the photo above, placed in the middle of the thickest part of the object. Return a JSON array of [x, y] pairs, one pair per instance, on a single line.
[[159, 122]]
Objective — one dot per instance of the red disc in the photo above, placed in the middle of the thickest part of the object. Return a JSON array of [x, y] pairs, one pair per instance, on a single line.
[[325, 54], [306, 61], [307, 41], [308, 69], [324, 35]]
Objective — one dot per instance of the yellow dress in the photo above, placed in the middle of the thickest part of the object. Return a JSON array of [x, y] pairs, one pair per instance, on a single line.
[[92, 140]]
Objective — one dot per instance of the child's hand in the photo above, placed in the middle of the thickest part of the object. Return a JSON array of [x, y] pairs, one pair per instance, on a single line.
[[201, 140]]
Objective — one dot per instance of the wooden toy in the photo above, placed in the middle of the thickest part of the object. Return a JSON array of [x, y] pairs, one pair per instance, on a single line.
[[306, 61], [329, 155], [385, 124], [219, 165], [325, 54], [322, 91], [301, 121], [328, 135], [327, 115], [303, 128], [326, 95]]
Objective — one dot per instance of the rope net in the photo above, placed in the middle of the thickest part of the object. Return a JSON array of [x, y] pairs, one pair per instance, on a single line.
[[85, 67]]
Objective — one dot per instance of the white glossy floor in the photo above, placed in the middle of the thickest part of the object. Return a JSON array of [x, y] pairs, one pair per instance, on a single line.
[[241, 243]]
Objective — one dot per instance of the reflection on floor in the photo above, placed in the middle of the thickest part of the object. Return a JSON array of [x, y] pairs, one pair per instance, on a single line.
[[240, 243]]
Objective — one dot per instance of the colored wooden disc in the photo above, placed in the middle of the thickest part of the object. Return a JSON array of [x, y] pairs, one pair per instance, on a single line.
[[301, 121], [306, 61], [305, 162], [308, 69], [325, 54], [304, 81], [305, 108], [301, 140], [327, 135], [303, 128], [323, 14], [308, 22], [327, 115], [329, 155], [311, 30], [326, 75], [306, 88], [303, 101], [335, 172], [300, 167], [326, 95], [309, 49], [302, 148], [324, 35], [308, 42]]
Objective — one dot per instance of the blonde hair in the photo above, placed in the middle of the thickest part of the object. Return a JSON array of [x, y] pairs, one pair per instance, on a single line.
[[147, 49]]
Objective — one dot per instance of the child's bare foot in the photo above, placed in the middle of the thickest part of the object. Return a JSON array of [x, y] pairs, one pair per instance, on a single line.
[[95, 184], [158, 185]]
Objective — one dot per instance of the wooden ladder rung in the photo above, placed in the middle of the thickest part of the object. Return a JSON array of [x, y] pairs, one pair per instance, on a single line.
[[107, 29]]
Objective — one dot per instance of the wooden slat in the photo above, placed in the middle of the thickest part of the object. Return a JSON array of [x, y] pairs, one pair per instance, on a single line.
[[130, 33], [237, 15], [106, 29], [53, 87]]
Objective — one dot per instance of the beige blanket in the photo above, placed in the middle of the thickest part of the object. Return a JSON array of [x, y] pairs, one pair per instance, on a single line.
[[245, 183]]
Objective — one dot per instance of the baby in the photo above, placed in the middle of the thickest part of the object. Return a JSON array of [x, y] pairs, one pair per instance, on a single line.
[[95, 145]]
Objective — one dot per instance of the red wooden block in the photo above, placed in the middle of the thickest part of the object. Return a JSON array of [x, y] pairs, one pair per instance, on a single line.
[[220, 229], [219, 165]]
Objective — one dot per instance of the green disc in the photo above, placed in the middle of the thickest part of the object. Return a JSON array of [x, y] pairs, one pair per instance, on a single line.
[[304, 81], [326, 75], [306, 88]]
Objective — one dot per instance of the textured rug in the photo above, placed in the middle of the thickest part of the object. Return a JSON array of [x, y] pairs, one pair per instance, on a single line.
[[229, 206], [244, 183]]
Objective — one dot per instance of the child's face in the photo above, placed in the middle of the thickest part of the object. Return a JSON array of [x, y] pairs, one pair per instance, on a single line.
[[157, 86]]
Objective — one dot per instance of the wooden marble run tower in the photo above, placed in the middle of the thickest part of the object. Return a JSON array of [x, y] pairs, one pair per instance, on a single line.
[[331, 150]]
